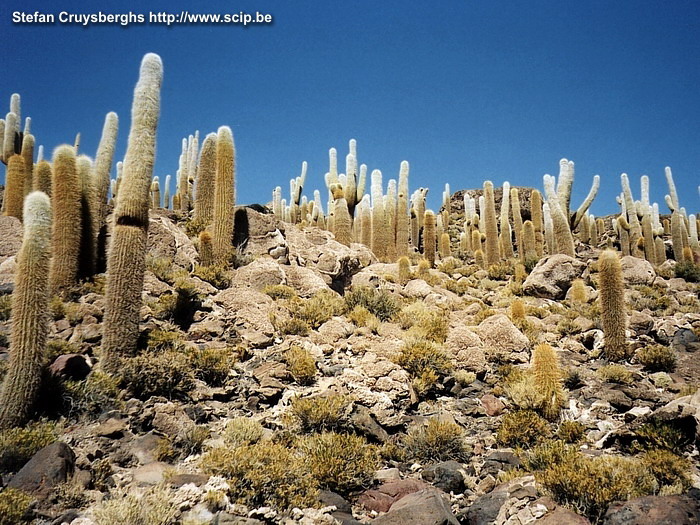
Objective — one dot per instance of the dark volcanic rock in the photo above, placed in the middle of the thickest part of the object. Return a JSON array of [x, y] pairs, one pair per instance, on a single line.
[[50, 466], [656, 510]]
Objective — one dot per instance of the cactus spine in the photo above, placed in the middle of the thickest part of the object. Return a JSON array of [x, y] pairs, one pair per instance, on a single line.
[[548, 379], [206, 255], [88, 249], [378, 244], [537, 220], [558, 209], [103, 167], [30, 317], [402, 212], [28, 156], [66, 202], [528, 246], [612, 305], [127, 256], [224, 196], [206, 181], [404, 269]]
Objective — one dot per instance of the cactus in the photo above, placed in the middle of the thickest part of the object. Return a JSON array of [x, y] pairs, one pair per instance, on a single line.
[[517, 221], [548, 380], [166, 193], [342, 221], [30, 314], [127, 256], [558, 209], [66, 202], [537, 220], [14, 187], [548, 230], [155, 193], [445, 248], [612, 305], [677, 236], [635, 229], [404, 269], [528, 246], [493, 255], [42, 177], [102, 169], [28, 156], [206, 186], [88, 247], [402, 212], [11, 138], [429, 238], [206, 255], [224, 196], [506, 238]]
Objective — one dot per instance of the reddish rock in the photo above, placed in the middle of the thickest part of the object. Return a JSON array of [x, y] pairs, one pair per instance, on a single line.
[[382, 498], [492, 405]]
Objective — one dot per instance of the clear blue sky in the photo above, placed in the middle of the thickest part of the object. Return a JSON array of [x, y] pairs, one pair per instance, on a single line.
[[464, 90]]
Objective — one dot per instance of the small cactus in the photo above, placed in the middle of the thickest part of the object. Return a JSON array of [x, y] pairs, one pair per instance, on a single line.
[[612, 305]]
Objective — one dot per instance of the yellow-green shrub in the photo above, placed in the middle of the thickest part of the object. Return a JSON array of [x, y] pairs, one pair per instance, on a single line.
[[242, 431], [18, 445], [436, 441], [302, 365], [656, 358], [14, 505], [320, 413], [522, 428], [380, 303]]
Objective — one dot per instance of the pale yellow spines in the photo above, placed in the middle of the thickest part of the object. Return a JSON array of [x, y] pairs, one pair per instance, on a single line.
[[14, 187], [612, 305], [224, 196], [378, 221], [517, 220], [444, 246], [28, 156], [126, 262], [529, 244], [429, 237], [67, 222], [88, 238], [102, 182], [548, 380], [402, 218], [404, 265], [155, 193], [476, 241], [30, 314], [491, 226], [206, 185], [42, 177], [342, 222], [537, 220], [206, 255]]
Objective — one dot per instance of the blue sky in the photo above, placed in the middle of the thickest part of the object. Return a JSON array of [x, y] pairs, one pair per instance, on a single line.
[[463, 90]]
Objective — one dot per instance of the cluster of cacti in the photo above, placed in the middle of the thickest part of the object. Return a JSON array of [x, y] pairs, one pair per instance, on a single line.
[[127, 255], [17, 152], [30, 314]]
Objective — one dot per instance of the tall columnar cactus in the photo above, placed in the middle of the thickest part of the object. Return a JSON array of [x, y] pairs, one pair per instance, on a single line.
[[155, 193], [402, 212], [493, 255], [677, 235], [517, 221], [166, 193], [67, 223], [558, 206], [42, 177], [28, 156], [612, 305], [224, 196], [429, 237], [206, 185], [14, 187], [342, 221], [88, 247], [528, 246], [30, 314], [102, 170], [548, 229], [378, 245], [444, 246], [632, 218], [12, 132], [127, 255], [404, 265], [537, 220], [506, 238]]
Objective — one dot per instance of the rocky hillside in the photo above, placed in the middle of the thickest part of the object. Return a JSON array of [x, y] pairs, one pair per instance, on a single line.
[[312, 384]]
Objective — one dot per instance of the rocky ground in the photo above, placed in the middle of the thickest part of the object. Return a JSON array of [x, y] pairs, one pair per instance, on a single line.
[[266, 396]]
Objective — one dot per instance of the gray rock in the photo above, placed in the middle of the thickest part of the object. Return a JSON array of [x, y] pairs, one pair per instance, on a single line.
[[425, 507], [552, 276], [447, 476], [503, 342], [637, 271], [52, 465]]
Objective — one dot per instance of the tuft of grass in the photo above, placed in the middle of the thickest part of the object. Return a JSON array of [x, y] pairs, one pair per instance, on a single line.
[[656, 358], [321, 413], [302, 365], [156, 506], [98, 393], [263, 474], [212, 365], [318, 309], [5, 307], [426, 362], [14, 505], [381, 303], [436, 441], [672, 472], [570, 431], [242, 431], [18, 445], [280, 291], [341, 463], [687, 270], [362, 317], [161, 267], [658, 434], [218, 275], [522, 428], [615, 373], [167, 373], [424, 322]]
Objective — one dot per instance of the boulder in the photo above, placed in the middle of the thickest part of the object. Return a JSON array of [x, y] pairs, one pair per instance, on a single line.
[[637, 271], [52, 465], [503, 342], [552, 276], [425, 507], [467, 348], [259, 234], [71, 366], [446, 475], [248, 311], [305, 281], [655, 510], [167, 240], [258, 274], [383, 497]]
